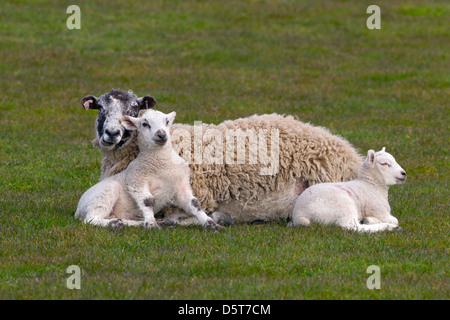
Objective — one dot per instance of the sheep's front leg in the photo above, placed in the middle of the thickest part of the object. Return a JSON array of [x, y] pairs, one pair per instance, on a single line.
[[370, 220], [385, 218], [146, 204], [148, 211], [186, 201], [389, 219], [353, 224]]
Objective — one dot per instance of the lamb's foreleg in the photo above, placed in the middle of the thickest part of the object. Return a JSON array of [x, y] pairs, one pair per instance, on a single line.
[[146, 204], [186, 201], [353, 224], [350, 221], [370, 220], [381, 219]]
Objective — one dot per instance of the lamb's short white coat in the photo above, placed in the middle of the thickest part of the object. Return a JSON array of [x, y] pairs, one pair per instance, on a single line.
[[346, 204], [156, 178]]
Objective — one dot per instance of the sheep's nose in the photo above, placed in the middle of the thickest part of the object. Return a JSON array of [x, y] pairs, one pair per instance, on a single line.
[[112, 134], [403, 173], [161, 134]]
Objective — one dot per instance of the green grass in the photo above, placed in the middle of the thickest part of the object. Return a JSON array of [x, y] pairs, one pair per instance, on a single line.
[[211, 61]]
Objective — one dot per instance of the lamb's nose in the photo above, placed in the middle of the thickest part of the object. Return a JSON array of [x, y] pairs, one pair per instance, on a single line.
[[161, 134], [403, 173]]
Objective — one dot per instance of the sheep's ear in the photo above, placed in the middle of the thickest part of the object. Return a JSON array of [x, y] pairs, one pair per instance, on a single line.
[[370, 157], [129, 123], [384, 149], [171, 117], [146, 102], [89, 102]]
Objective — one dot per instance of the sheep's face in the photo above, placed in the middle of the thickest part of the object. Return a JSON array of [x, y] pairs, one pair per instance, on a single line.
[[386, 165], [112, 106], [152, 127]]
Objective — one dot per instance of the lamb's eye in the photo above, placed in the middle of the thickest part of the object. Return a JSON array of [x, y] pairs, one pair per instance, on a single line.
[[146, 125], [385, 164], [167, 122]]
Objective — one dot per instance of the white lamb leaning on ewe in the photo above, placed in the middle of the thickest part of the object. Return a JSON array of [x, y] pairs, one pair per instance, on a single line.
[[347, 203], [156, 178]]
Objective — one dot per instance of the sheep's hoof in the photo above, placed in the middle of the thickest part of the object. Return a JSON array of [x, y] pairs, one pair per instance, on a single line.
[[399, 229], [151, 225], [116, 224], [228, 221], [211, 225], [167, 223]]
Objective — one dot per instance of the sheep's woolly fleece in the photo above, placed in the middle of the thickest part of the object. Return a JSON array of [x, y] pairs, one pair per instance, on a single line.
[[307, 155]]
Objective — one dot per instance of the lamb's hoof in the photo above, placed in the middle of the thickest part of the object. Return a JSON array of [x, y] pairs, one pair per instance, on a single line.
[[212, 225], [167, 223], [399, 229], [152, 225], [364, 221], [116, 224]]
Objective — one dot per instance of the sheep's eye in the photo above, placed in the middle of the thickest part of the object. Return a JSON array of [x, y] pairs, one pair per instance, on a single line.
[[145, 125], [385, 164], [167, 122]]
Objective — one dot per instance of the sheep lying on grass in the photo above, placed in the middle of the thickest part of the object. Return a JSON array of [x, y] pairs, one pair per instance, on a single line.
[[157, 177], [346, 204], [300, 155]]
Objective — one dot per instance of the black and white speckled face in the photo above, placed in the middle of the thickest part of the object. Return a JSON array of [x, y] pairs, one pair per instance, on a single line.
[[112, 106]]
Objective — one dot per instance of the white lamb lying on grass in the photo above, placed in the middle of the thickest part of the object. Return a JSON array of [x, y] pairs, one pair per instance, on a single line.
[[156, 178], [347, 203]]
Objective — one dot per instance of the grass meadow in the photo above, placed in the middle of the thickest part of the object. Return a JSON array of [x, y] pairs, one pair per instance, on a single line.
[[212, 61]]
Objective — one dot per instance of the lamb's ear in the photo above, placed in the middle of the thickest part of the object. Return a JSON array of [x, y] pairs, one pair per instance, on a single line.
[[370, 157], [171, 117], [384, 149], [89, 102], [129, 123], [146, 102]]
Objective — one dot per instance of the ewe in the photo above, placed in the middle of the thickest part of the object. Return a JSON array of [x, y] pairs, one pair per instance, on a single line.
[[346, 204], [156, 178]]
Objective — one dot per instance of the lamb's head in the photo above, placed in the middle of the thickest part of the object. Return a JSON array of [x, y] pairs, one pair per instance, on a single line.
[[112, 106], [153, 128], [384, 166]]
